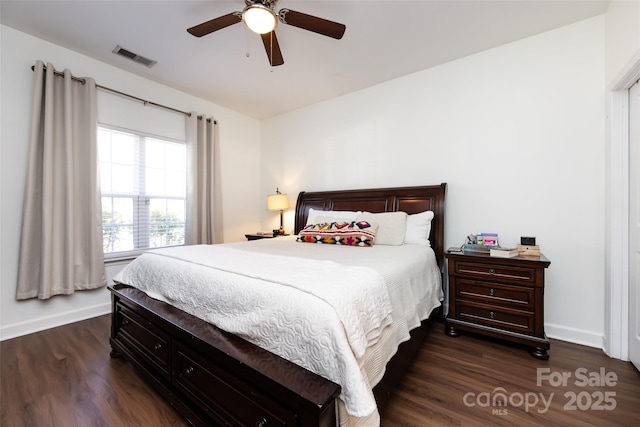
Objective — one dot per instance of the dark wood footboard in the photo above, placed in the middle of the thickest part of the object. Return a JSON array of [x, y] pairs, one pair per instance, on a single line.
[[213, 377]]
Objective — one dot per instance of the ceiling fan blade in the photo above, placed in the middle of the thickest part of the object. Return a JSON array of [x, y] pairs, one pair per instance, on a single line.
[[312, 23], [215, 24], [272, 48]]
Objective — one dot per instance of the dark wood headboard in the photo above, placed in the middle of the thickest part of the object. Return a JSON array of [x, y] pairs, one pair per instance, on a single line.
[[407, 199]]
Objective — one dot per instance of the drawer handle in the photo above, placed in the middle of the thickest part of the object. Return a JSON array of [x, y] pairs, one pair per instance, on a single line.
[[263, 422], [491, 314], [491, 292], [492, 271], [125, 322], [189, 371], [157, 346]]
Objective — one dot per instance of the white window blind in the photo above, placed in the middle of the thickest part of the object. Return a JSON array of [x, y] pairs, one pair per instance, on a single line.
[[143, 184]]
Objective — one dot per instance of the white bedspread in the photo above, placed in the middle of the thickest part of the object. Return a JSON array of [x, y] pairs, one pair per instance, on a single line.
[[322, 314]]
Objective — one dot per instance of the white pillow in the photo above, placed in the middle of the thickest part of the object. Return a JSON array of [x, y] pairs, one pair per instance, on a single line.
[[418, 228], [346, 216], [392, 226]]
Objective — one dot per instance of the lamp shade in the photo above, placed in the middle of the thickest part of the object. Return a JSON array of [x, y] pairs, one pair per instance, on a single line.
[[259, 18], [277, 202]]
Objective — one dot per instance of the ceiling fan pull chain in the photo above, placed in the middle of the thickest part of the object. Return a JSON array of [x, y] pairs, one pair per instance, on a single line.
[[246, 40]]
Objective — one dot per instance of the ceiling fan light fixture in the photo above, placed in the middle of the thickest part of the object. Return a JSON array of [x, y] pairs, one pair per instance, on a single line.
[[259, 18]]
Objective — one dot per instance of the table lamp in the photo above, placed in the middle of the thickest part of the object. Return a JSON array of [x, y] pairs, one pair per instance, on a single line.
[[278, 202]]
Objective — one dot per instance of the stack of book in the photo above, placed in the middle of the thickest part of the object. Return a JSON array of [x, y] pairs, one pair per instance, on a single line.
[[475, 248], [502, 252]]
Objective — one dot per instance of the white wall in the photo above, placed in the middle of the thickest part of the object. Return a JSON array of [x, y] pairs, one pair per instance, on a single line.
[[240, 152], [517, 132], [622, 37]]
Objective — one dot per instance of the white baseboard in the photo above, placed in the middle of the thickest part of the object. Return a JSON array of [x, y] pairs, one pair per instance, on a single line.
[[42, 323], [573, 335]]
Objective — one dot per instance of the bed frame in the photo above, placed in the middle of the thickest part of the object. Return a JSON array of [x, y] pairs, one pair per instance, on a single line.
[[213, 377]]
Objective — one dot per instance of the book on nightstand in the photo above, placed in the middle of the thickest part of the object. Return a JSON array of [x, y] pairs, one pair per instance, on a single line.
[[475, 248], [504, 252]]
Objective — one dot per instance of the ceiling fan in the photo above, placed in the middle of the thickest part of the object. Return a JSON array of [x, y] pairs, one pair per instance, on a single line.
[[261, 18]]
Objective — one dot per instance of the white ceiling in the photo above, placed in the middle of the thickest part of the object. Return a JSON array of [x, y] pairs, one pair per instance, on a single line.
[[384, 40]]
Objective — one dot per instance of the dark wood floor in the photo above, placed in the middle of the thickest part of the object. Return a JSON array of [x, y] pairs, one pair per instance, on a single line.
[[65, 377]]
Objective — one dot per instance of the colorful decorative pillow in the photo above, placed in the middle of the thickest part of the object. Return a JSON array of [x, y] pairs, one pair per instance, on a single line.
[[354, 233]]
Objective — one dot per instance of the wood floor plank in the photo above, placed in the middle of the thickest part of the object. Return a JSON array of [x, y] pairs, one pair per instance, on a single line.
[[65, 377]]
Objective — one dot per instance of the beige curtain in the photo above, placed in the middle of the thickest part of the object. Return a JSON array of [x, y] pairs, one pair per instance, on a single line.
[[204, 189], [61, 240]]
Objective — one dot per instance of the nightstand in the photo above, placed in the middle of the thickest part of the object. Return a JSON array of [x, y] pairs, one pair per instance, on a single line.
[[498, 297], [258, 236], [261, 236]]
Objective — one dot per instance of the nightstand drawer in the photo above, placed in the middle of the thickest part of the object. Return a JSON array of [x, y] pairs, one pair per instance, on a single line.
[[498, 317], [521, 297], [496, 272]]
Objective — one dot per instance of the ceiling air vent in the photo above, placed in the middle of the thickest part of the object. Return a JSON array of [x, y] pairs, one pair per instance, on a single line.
[[134, 57]]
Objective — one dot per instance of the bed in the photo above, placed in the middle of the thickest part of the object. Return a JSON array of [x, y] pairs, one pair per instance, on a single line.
[[247, 377]]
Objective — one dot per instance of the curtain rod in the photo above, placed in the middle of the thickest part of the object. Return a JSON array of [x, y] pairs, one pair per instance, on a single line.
[[144, 101]]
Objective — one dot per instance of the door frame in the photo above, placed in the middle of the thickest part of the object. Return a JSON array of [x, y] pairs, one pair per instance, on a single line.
[[616, 334]]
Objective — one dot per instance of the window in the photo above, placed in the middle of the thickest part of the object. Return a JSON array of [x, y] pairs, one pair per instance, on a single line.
[[143, 184]]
